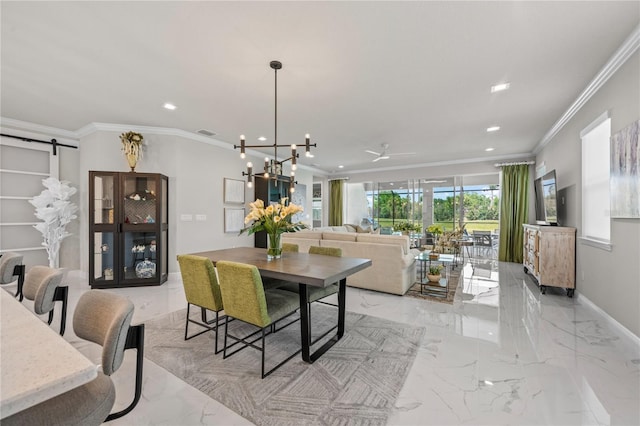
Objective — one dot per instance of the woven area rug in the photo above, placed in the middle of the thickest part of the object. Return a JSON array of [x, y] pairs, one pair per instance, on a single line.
[[355, 383], [418, 292]]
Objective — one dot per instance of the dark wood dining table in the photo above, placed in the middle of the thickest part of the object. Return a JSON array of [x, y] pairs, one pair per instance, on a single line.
[[306, 269]]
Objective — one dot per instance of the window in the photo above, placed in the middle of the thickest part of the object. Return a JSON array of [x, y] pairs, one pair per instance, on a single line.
[[595, 180]]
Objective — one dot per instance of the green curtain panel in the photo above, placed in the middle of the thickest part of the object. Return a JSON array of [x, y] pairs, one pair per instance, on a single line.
[[514, 210], [335, 203]]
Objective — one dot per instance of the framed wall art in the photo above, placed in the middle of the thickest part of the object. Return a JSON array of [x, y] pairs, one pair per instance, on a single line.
[[233, 220], [233, 191], [625, 172]]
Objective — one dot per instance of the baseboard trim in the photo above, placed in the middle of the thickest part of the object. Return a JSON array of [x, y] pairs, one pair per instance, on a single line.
[[612, 321]]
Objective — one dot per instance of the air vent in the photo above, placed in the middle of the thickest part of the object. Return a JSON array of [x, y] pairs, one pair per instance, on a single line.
[[206, 132]]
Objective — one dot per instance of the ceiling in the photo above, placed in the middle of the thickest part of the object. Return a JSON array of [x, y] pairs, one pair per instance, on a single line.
[[414, 75]]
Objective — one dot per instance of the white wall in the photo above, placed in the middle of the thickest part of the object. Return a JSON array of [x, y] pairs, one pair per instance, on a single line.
[[196, 172], [611, 280]]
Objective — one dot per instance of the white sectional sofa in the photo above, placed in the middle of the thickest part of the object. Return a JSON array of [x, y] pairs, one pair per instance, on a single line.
[[393, 263]]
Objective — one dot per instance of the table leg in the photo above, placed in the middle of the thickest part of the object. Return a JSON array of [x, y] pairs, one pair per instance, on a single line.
[[305, 329], [342, 306]]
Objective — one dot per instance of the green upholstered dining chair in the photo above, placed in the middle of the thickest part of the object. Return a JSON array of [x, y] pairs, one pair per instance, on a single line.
[[290, 248], [202, 290], [42, 286], [246, 300], [316, 293], [12, 269], [104, 318]]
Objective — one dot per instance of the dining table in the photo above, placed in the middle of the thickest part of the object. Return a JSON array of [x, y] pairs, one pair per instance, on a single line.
[[306, 269], [36, 363]]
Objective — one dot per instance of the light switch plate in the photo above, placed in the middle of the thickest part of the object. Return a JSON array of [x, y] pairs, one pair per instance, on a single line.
[[186, 217]]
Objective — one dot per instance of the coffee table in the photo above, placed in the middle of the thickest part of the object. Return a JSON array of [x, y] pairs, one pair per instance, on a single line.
[[441, 288]]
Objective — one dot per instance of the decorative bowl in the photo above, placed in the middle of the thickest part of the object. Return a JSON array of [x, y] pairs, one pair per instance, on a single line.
[[146, 269]]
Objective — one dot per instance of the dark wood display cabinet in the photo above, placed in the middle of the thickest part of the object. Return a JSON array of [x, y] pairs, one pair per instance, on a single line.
[[270, 191], [128, 229]]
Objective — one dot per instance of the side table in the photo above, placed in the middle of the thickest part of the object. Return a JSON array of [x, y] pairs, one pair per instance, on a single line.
[[439, 289]]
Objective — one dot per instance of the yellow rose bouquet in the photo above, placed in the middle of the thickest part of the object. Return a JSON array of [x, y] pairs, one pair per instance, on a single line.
[[275, 220]]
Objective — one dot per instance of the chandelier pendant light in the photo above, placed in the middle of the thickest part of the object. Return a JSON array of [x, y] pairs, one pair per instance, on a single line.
[[273, 168]]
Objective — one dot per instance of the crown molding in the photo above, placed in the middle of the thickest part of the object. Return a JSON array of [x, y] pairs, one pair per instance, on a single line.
[[73, 138], [165, 131], [168, 131], [624, 52], [70, 137], [525, 155]]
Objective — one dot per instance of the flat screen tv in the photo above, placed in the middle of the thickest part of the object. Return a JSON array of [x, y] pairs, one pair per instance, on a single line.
[[546, 199]]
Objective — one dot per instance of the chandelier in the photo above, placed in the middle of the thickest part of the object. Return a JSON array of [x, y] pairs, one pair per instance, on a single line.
[[273, 168]]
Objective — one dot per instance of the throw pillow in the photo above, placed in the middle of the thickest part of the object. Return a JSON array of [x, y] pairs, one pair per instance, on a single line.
[[350, 228], [361, 230]]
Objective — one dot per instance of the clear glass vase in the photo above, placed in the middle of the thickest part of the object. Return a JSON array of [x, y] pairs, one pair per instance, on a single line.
[[275, 247]]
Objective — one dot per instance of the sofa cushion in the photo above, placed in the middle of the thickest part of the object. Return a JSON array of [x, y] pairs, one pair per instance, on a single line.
[[401, 240], [339, 236], [312, 235], [331, 229]]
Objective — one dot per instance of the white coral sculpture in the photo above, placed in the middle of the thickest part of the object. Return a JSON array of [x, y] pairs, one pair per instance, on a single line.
[[54, 207]]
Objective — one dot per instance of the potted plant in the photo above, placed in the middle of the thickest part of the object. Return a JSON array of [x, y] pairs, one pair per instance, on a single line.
[[433, 274], [406, 227], [435, 229]]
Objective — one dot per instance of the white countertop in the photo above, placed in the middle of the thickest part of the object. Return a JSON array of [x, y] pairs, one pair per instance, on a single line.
[[36, 363]]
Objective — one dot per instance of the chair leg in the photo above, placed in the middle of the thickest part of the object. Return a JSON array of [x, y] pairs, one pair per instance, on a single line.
[[61, 294], [262, 350], [205, 323], [224, 348], [135, 340], [251, 343], [19, 271]]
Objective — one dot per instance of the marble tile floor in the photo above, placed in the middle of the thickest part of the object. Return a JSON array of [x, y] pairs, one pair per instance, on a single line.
[[501, 354]]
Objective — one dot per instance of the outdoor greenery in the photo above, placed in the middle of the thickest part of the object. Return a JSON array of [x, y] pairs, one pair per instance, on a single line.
[[481, 210], [407, 227], [476, 207]]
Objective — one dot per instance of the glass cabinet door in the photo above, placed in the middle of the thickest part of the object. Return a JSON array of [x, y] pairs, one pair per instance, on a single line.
[[103, 195], [103, 256], [139, 199], [139, 255]]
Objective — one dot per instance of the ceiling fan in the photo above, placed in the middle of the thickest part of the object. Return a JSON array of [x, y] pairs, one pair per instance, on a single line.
[[384, 155]]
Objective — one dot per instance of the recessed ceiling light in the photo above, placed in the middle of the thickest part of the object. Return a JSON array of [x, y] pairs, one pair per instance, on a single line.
[[493, 128], [489, 149], [500, 87], [341, 166], [170, 106], [262, 138]]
